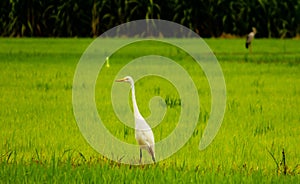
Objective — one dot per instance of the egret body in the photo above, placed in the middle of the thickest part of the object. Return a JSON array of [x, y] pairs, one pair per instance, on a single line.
[[143, 133]]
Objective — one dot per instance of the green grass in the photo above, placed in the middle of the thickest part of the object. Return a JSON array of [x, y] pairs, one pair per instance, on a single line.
[[40, 141]]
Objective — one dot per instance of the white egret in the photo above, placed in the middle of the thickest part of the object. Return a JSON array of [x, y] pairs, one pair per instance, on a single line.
[[249, 39], [143, 133]]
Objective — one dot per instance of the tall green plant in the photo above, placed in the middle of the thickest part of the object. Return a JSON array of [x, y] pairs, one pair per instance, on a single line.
[[144, 9], [272, 18], [73, 18], [4, 17], [26, 17]]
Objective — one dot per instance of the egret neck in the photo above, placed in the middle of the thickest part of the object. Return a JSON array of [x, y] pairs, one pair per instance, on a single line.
[[136, 111]]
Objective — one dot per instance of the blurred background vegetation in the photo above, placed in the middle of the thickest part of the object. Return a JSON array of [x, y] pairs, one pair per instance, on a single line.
[[90, 18]]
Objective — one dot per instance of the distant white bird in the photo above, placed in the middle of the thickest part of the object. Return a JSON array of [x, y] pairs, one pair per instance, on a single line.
[[249, 39], [143, 133]]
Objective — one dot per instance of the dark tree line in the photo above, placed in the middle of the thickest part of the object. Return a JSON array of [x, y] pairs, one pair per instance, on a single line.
[[208, 18]]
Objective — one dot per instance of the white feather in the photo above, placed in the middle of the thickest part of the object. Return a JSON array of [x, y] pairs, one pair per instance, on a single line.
[[143, 133]]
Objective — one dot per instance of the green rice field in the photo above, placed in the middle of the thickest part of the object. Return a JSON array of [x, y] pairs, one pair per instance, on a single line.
[[40, 141]]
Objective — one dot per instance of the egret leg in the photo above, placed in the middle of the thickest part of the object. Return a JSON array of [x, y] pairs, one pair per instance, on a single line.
[[152, 154], [153, 158], [141, 155]]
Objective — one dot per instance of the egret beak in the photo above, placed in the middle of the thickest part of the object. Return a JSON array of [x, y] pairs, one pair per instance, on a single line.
[[120, 80]]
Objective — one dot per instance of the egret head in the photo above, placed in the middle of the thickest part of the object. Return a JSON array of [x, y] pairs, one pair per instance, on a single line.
[[126, 79]]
